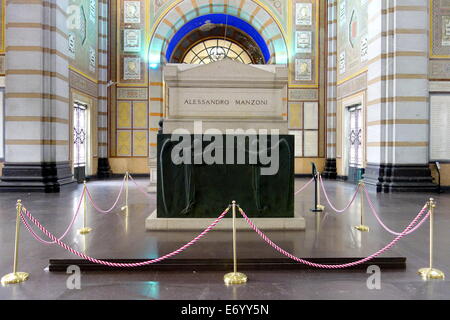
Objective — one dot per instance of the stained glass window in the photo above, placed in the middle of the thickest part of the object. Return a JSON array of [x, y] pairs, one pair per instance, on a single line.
[[215, 50], [79, 135]]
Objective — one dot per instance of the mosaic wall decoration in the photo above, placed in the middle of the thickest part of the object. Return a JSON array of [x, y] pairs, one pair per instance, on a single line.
[[82, 84], [303, 71], [124, 115], [439, 69], [132, 40], [303, 68], [132, 12], [132, 93], [140, 115], [304, 124], [304, 41], [83, 36], [279, 8], [124, 143], [132, 68], [440, 30], [132, 129], [352, 37], [303, 14], [132, 49], [140, 143], [295, 116], [303, 94]]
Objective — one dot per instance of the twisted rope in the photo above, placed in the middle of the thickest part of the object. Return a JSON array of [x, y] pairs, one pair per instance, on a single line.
[[38, 238], [372, 208], [26, 213], [331, 266], [305, 186], [143, 191], [328, 199], [113, 206]]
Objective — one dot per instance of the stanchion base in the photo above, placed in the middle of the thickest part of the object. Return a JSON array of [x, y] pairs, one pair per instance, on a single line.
[[235, 278], [362, 228], [431, 273], [319, 208], [85, 230], [16, 277], [125, 209]]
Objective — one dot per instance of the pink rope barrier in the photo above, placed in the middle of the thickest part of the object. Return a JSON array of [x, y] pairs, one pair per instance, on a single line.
[[113, 206], [26, 213], [38, 238], [328, 199], [304, 187], [331, 266], [372, 208], [143, 191]]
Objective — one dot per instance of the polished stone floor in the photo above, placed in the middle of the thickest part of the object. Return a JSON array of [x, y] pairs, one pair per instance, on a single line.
[[115, 236]]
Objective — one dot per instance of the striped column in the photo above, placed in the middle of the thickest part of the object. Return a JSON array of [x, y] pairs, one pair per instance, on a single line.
[[330, 167], [398, 107], [156, 114], [104, 170], [37, 96]]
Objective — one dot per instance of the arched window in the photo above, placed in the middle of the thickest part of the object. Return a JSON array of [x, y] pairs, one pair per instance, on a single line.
[[216, 49]]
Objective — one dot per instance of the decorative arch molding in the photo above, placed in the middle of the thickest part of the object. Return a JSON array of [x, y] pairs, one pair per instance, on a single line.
[[234, 44], [218, 19], [252, 12]]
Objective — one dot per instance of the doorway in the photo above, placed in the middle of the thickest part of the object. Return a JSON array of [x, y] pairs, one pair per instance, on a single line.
[[355, 144], [80, 141]]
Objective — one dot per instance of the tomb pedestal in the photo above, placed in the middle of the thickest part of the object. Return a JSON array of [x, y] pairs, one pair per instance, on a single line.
[[221, 102]]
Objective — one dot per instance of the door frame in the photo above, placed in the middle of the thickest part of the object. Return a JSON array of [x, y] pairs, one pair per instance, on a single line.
[[84, 99], [354, 100]]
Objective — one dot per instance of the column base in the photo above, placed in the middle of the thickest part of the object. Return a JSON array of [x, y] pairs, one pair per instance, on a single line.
[[36, 177], [390, 178], [104, 169], [330, 171]]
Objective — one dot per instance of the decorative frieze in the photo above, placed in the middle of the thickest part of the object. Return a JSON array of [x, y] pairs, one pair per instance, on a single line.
[[132, 93], [82, 84], [303, 94], [352, 86]]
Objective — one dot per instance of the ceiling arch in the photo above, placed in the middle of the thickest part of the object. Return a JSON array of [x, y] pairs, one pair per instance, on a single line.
[[181, 13], [218, 19]]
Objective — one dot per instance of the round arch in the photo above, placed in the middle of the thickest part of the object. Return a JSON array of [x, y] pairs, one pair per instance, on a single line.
[[265, 24], [219, 19], [181, 12]]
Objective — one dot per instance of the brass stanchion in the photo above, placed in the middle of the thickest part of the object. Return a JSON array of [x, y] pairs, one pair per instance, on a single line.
[[15, 276], [430, 272], [125, 207], [234, 277], [317, 206], [362, 227], [320, 207], [85, 229]]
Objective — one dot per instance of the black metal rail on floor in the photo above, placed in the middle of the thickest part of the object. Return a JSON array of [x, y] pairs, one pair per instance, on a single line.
[[61, 265]]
